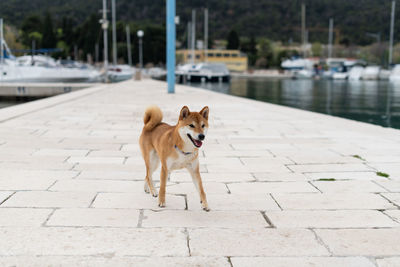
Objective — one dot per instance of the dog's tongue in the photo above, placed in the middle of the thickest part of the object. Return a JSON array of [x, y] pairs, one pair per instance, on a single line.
[[198, 143]]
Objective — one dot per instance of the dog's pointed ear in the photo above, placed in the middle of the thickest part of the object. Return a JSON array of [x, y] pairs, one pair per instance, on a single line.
[[204, 112], [184, 113]]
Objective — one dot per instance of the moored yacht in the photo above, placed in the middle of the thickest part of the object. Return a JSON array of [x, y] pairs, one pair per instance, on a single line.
[[203, 72]]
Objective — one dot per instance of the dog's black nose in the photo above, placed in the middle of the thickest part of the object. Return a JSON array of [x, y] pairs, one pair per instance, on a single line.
[[201, 137]]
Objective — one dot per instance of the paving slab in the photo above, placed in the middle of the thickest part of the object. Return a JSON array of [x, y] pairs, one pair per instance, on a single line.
[[201, 219], [136, 201], [391, 186], [189, 188], [332, 201], [280, 177], [92, 241], [331, 219], [394, 214], [259, 202], [255, 242], [47, 199], [97, 186], [111, 260], [389, 262], [94, 217], [370, 175], [393, 197], [20, 183], [271, 187], [301, 261], [23, 217], [61, 152], [330, 167], [348, 187], [4, 195], [368, 242]]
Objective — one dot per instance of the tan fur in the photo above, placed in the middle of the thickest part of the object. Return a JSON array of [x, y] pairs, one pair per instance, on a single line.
[[152, 117], [158, 141]]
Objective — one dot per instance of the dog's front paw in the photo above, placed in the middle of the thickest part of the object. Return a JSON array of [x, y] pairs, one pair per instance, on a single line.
[[205, 206], [161, 202], [155, 194]]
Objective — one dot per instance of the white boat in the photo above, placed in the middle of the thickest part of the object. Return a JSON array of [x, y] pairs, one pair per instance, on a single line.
[[371, 73], [303, 74], [203, 72], [157, 73], [384, 74], [120, 73], [340, 75], [355, 73], [296, 64], [41, 68], [338, 68], [395, 74]]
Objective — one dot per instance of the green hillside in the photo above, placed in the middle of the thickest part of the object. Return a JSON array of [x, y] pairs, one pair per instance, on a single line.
[[274, 19]]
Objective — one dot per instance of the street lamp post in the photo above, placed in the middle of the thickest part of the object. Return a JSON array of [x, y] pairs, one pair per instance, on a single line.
[[140, 34]]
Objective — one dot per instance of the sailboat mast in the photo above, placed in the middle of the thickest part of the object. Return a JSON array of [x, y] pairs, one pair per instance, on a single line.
[[1, 49], [303, 28], [189, 36], [330, 41], [391, 33], [128, 44], [1, 43], [193, 34], [114, 32], [205, 33]]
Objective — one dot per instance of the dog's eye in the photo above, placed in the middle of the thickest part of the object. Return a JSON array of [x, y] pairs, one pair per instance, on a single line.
[[191, 125], [202, 126]]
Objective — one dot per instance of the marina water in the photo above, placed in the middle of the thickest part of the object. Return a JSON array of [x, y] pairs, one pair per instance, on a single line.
[[376, 102]]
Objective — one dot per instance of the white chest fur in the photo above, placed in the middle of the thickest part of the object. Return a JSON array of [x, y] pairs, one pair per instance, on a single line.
[[182, 161]]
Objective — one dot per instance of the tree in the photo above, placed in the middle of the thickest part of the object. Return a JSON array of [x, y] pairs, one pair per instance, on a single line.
[[233, 40], [49, 37], [31, 24], [265, 54], [316, 49]]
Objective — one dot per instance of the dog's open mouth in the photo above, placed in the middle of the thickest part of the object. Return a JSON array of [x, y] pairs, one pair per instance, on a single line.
[[196, 143]]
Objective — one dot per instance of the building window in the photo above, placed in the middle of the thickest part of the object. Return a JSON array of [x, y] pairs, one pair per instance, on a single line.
[[226, 55], [234, 55], [219, 55], [210, 54], [197, 56], [189, 56]]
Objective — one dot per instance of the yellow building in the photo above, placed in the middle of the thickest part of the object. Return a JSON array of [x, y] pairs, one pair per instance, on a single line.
[[234, 59]]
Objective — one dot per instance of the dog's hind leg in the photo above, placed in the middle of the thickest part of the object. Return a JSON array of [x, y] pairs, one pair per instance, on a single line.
[[152, 161]]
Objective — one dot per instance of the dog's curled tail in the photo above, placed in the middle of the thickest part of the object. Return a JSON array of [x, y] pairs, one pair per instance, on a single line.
[[152, 117]]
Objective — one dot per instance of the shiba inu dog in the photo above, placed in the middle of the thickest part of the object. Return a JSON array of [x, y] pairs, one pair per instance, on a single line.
[[176, 147]]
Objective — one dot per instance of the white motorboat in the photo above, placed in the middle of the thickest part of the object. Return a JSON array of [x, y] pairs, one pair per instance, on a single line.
[[395, 74], [303, 74], [371, 73], [41, 68], [340, 75], [384, 74], [120, 73], [355, 73], [203, 72], [296, 64]]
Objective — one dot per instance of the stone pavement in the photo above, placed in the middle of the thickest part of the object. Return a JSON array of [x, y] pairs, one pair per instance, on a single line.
[[286, 187]]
